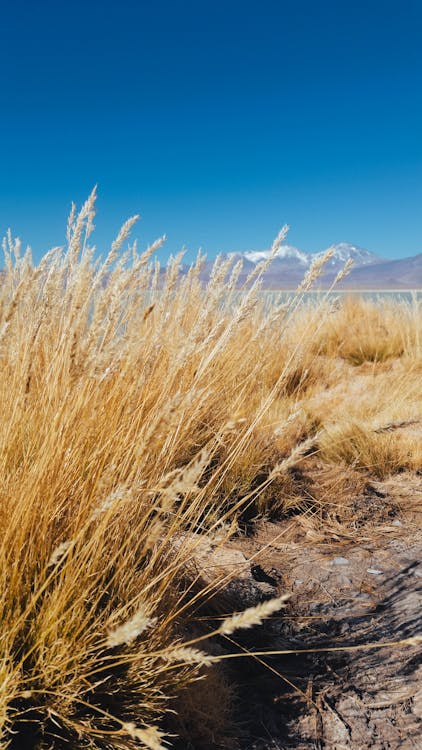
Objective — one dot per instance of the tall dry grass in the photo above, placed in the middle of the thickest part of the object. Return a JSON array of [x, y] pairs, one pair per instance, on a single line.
[[137, 405], [121, 392]]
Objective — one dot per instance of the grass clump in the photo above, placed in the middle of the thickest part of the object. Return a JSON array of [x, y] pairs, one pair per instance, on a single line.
[[116, 398], [138, 405], [360, 331], [381, 453]]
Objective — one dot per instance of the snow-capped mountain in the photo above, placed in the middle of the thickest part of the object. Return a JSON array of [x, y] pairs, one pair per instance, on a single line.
[[285, 251], [292, 256], [369, 271], [344, 251]]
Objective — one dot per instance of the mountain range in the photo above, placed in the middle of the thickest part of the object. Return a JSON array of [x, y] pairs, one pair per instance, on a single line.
[[369, 271]]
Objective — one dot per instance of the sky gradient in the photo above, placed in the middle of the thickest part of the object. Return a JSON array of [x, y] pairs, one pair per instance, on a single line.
[[217, 122]]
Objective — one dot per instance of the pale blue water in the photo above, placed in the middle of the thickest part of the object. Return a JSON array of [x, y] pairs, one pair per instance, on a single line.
[[411, 296]]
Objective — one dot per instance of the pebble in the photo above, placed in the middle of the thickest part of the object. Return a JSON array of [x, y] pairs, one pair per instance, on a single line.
[[374, 571], [340, 561]]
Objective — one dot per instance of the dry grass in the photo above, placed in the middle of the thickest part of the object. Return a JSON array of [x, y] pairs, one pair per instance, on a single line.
[[135, 405], [373, 332]]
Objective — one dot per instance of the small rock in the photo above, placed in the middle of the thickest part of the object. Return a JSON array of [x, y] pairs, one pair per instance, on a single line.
[[228, 571], [374, 571], [340, 561]]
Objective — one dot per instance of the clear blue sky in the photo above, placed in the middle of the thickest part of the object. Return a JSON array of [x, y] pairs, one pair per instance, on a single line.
[[217, 121]]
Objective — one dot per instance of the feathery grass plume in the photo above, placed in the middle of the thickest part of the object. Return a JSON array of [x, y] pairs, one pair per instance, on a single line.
[[187, 655], [151, 737], [297, 453], [234, 278], [261, 267], [343, 271], [252, 616], [116, 496], [186, 480], [123, 235], [284, 425], [131, 629], [70, 221], [398, 425], [315, 270], [149, 252], [80, 229], [58, 554]]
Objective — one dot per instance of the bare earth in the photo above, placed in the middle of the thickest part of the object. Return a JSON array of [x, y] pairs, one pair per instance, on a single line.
[[351, 586]]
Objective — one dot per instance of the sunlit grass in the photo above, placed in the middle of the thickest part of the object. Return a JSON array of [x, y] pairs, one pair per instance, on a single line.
[[137, 404]]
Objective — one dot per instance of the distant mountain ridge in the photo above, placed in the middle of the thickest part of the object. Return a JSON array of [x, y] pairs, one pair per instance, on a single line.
[[369, 270], [342, 251]]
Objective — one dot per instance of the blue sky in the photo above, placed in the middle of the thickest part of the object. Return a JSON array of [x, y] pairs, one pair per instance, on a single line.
[[216, 121]]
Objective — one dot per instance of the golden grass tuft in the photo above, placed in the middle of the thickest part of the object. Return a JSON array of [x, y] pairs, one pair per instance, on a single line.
[[361, 331], [137, 404]]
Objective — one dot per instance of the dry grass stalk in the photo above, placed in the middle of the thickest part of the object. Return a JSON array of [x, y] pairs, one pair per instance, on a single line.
[[131, 629], [151, 737], [187, 655], [252, 616]]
